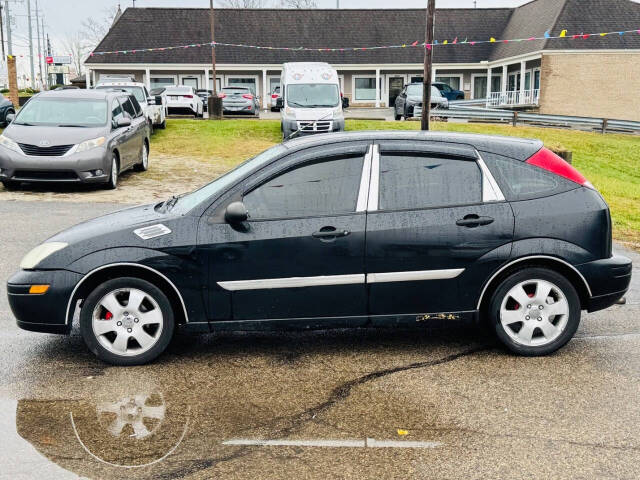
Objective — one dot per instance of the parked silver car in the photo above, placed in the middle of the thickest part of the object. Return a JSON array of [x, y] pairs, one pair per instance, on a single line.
[[74, 136], [239, 100], [409, 103]]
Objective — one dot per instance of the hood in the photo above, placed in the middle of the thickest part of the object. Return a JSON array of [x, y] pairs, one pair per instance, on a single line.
[[313, 113], [118, 230], [54, 135]]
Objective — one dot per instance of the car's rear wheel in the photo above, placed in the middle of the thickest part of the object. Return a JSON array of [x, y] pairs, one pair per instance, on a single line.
[[127, 321], [535, 311], [10, 185], [163, 125], [112, 182], [143, 166]]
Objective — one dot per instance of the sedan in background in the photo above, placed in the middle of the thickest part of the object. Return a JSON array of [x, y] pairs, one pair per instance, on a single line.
[[340, 230], [75, 136], [275, 95], [448, 92], [6, 108], [239, 100], [204, 95], [409, 103], [184, 100]]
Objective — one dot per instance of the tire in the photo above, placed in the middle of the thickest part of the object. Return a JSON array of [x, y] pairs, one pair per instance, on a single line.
[[526, 325], [118, 338], [143, 166], [112, 182], [396, 116], [150, 125], [163, 125]]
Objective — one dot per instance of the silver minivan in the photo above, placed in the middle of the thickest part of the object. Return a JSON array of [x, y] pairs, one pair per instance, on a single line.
[[74, 136]]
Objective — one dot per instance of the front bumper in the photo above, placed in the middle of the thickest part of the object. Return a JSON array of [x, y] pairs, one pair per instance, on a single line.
[[47, 312], [608, 279], [75, 168]]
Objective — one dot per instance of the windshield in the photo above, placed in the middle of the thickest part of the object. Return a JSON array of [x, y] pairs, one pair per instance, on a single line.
[[220, 184], [313, 95], [63, 111], [415, 90], [138, 92]]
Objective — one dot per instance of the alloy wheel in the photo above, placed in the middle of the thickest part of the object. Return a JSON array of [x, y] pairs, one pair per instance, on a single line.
[[127, 321], [534, 312]]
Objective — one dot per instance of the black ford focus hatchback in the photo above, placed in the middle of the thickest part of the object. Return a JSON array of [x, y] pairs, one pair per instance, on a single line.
[[338, 230]]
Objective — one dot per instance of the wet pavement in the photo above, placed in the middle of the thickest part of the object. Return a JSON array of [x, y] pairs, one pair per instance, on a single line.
[[440, 402]]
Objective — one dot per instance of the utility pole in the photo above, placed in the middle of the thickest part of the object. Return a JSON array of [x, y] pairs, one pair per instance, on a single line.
[[2, 34], [44, 54], [428, 60], [39, 47], [8, 17], [33, 80], [214, 103]]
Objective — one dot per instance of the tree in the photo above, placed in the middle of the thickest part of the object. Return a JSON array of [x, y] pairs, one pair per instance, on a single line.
[[79, 48], [243, 3], [94, 30]]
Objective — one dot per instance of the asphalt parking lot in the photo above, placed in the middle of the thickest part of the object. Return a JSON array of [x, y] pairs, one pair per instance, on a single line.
[[441, 402]]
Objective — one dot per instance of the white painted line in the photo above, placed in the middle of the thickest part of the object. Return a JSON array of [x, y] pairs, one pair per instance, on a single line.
[[368, 443]]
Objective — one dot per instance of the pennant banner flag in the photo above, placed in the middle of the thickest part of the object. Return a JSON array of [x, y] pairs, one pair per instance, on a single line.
[[547, 36]]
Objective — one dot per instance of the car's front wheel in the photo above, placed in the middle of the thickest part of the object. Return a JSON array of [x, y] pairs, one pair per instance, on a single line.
[[127, 321], [10, 185], [535, 311]]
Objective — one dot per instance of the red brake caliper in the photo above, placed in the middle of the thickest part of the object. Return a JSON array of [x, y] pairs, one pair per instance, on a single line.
[[108, 315]]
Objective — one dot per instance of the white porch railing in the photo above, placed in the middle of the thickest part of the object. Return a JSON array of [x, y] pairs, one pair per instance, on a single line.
[[514, 98]]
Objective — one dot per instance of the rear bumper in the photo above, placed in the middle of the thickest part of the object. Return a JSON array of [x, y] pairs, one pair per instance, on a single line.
[[608, 280], [42, 313]]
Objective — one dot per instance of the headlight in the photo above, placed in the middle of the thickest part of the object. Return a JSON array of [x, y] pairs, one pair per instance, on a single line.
[[88, 145], [35, 256], [10, 144]]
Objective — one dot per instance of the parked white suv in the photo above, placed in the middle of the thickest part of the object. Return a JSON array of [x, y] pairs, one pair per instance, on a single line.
[[155, 114], [181, 98]]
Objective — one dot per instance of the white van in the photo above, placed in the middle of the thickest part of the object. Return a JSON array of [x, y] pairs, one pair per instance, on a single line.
[[154, 108], [310, 99]]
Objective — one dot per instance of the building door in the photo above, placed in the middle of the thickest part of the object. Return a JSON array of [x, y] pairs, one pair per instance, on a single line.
[[480, 87], [190, 82], [395, 87]]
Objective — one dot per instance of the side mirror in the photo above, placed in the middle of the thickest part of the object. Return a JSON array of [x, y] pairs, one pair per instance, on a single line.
[[158, 99], [236, 212], [10, 117], [345, 102], [151, 101], [123, 122], [279, 102]]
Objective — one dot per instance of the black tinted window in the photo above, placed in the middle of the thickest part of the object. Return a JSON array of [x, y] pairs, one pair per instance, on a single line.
[[136, 105], [324, 188], [127, 106], [521, 181], [410, 181]]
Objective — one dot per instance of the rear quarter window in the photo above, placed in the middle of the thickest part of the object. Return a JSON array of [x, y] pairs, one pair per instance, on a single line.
[[521, 181]]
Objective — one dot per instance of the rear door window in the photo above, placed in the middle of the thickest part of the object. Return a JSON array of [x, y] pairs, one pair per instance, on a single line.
[[521, 181], [412, 181]]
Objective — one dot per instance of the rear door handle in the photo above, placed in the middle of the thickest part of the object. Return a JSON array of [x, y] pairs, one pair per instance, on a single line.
[[474, 220], [327, 233]]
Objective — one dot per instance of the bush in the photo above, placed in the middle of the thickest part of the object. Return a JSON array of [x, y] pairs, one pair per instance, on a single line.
[[57, 85], [4, 90]]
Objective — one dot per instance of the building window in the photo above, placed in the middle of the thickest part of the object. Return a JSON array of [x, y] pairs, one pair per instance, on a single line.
[[161, 81], [480, 85], [243, 82], [536, 79], [453, 82], [365, 88], [190, 82]]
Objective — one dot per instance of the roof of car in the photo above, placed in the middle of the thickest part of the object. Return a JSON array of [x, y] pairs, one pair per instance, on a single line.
[[82, 93], [514, 147]]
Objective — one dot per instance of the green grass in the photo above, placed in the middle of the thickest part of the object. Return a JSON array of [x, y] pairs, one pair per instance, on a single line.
[[610, 162]]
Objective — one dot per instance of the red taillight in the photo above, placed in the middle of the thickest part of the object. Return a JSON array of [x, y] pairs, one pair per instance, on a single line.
[[187, 96], [274, 95], [221, 95], [551, 162], [247, 96]]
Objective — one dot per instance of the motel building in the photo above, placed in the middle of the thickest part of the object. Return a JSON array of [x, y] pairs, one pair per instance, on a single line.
[[596, 76]]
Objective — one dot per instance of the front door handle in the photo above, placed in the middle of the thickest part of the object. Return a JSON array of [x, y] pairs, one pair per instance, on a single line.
[[329, 233], [473, 220]]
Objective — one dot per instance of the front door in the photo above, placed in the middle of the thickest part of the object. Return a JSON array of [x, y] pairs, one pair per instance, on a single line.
[[395, 87], [301, 253], [435, 229]]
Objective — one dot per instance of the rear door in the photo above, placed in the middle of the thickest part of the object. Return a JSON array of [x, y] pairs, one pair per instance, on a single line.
[[437, 226], [137, 130]]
